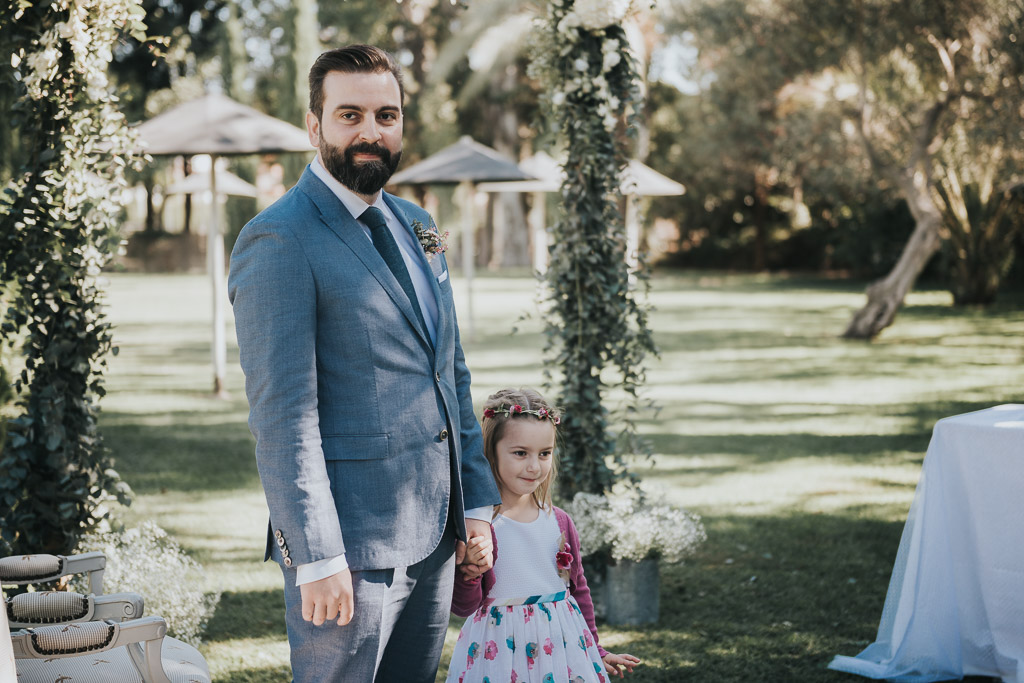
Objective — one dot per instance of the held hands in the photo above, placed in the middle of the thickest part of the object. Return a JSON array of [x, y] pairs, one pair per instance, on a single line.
[[478, 556], [614, 664], [328, 598]]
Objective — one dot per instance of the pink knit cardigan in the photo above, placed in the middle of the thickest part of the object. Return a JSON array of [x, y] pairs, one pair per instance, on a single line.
[[471, 594]]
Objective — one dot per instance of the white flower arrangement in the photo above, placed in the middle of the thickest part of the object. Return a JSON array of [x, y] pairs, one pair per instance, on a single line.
[[594, 15], [627, 525], [147, 561]]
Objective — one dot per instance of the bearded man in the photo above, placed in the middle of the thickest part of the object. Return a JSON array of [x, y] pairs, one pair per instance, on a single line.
[[359, 395]]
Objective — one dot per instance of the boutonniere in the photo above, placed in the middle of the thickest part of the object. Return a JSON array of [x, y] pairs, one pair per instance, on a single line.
[[563, 559], [432, 241]]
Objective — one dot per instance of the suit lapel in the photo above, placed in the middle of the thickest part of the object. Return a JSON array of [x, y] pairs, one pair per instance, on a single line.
[[337, 218], [443, 313]]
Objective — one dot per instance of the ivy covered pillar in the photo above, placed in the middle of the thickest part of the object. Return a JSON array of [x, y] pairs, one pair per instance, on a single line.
[[59, 216], [596, 328]]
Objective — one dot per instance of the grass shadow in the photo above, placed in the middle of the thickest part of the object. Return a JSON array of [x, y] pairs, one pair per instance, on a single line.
[[181, 455], [247, 614]]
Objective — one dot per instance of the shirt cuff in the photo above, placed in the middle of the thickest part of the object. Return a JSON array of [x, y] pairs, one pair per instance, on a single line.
[[321, 569], [484, 514]]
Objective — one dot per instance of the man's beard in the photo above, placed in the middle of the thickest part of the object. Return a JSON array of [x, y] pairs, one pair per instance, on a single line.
[[364, 178]]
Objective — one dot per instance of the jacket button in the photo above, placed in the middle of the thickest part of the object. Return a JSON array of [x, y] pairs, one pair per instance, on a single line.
[[277, 534], [287, 561], [280, 541], [443, 435], [437, 376]]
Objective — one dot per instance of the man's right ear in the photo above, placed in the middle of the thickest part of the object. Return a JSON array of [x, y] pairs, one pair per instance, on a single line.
[[313, 128]]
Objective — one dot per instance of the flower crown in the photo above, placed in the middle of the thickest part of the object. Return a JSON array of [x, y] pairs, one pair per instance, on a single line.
[[516, 409]]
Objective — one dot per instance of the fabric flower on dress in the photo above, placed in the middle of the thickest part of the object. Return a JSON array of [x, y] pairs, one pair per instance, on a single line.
[[563, 559], [531, 655], [490, 650]]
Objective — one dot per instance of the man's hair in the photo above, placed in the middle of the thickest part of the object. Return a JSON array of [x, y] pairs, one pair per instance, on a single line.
[[353, 59]]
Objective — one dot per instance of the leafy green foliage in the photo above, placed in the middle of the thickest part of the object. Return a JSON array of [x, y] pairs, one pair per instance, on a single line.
[[59, 218], [594, 320]]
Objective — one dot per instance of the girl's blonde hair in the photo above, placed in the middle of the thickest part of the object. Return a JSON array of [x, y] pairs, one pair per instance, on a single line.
[[499, 408]]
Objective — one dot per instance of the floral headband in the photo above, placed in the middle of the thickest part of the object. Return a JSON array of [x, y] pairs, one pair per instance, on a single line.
[[516, 409]]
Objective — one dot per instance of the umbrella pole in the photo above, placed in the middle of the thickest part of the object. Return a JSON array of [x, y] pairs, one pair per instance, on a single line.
[[632, 232], [538, 219], [215, 266], [466, 189]]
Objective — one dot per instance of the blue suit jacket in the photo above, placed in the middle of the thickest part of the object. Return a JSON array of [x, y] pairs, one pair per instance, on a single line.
[[365, 433]]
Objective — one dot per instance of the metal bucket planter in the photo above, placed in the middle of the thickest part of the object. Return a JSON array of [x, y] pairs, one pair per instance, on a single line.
[[631, 592]]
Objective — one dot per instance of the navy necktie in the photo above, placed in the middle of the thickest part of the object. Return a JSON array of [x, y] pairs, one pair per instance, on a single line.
[[385, 243]]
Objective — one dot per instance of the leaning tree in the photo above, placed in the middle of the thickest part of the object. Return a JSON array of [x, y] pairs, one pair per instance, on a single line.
[[923, 71]]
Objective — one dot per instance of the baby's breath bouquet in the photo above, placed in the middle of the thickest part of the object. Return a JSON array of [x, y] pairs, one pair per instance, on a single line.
[[627, 524], [146, 560]]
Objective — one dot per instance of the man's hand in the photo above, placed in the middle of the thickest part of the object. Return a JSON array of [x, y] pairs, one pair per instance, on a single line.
[[328, 598]]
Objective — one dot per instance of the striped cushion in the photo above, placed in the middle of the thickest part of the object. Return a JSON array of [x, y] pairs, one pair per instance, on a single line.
[[26, 568], [49, 607], [73, 638]]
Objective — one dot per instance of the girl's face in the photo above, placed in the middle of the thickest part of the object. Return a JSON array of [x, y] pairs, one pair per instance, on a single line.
[[524, 456]]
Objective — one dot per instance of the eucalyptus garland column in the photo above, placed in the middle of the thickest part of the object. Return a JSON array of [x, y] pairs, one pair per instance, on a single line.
[[594, 320], [58, 217]]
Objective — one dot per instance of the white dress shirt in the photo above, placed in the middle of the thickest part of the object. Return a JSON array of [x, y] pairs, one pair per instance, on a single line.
[[321, 569]]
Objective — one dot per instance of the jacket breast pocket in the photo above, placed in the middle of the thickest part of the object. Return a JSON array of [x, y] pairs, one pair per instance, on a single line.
[[355, 447]]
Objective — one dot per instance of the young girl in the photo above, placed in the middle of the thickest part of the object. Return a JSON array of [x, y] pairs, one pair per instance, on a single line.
[[530, 616]]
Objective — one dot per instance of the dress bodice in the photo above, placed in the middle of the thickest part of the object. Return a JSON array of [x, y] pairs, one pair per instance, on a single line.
[[526, 557]]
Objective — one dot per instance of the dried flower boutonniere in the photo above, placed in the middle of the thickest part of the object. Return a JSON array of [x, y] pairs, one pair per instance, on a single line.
[[431, 239]]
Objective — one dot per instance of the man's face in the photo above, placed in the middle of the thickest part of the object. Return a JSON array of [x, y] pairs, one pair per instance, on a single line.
[[359, 134]]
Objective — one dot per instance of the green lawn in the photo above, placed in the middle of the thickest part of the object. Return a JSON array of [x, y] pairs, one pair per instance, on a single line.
[[800, 450]]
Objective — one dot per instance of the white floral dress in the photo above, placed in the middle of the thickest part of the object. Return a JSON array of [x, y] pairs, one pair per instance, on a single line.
[[537, 636]]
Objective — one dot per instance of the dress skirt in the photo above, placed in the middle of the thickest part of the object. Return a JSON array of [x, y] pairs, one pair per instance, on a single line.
[[539, 639]]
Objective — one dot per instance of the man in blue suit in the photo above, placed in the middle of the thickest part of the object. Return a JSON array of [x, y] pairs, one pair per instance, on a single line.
[[359, 396]]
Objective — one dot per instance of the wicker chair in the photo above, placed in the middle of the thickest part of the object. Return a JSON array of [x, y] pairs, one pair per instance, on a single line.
[[95, 637]]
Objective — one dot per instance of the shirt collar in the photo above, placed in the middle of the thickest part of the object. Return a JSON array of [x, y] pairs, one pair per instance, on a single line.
[[353, 202]]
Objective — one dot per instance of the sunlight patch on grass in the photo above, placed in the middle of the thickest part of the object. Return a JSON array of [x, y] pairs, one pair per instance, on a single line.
[[226, 533], [801, 484], [245, 654]]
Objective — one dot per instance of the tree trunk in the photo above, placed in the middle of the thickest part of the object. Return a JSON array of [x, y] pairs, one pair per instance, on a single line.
[[510, 244], [885, 296], [760, 227], [187, 227], [147, 182]]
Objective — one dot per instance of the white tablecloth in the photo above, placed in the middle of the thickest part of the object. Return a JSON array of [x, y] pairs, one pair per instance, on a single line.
[[955, 604]]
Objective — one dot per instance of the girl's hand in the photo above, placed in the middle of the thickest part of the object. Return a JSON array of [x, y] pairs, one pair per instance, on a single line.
[[478, 550], [614, 664]]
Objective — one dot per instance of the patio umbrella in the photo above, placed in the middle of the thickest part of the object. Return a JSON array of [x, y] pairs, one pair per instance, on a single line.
[[218, 126], [464, 163], [227, 183], [637, 179]]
